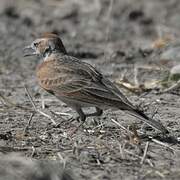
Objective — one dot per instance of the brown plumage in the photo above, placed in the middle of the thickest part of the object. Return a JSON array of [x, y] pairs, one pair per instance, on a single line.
[[78, 84]]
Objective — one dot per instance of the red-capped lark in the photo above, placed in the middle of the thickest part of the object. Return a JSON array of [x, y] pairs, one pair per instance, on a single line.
[[77, 83]]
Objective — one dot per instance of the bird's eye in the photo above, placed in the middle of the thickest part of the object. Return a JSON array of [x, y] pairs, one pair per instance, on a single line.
[[35, 44]]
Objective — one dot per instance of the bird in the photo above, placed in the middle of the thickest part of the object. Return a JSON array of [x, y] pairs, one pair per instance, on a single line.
[[79, 84]]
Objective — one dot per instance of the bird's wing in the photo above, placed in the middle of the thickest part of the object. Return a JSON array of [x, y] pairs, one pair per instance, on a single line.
[[68, 76]]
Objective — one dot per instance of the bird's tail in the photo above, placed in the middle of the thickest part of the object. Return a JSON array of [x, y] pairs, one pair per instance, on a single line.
[[155, 124]]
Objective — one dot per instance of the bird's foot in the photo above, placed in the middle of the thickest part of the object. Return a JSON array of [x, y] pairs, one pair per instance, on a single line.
[[76, 129]]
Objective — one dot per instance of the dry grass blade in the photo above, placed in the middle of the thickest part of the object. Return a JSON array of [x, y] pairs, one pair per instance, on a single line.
[[139, 157], [37, 110], [33, 151], [30, 98], [42, 102], [145, 153], [124, 83], [63, 160], [29, 122], [162, 144], [122, 127], [172, 88]]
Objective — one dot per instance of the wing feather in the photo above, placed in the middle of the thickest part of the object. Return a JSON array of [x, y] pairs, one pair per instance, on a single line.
[[66, 76]]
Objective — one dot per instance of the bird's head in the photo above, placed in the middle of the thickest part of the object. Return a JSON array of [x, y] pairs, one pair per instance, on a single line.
[[45, 45]]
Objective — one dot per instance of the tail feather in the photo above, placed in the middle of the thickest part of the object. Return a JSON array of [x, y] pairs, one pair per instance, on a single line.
[[155, 124]]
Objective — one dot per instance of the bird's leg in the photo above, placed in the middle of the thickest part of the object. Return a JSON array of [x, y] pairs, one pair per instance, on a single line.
[[81, 114], [97, 113], [82, 117]]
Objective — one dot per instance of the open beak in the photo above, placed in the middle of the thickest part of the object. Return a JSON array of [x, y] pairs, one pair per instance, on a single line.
[[29, 51]]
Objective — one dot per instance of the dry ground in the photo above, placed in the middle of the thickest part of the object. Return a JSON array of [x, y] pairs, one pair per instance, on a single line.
[[115, 36]]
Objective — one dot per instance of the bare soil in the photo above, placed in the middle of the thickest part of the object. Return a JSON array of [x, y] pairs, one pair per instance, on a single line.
[[115, 37]]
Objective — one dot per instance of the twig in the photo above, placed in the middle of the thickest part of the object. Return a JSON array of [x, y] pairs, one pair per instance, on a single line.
[[33, 151], [62, 159], [98, 162], [160, 174], [35, 108], [149, 162], [30, 98], [145, 153], [46, 115], [155, 112], [122, 127], [28, 124], [139, 157], [172, 88], [42, 101], [136, 82], [62, 114], [132, 89], [161, 143], [100, 125], [93, 131]]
